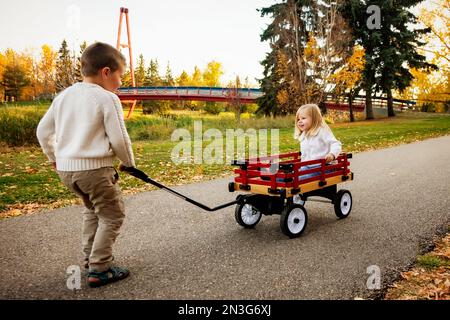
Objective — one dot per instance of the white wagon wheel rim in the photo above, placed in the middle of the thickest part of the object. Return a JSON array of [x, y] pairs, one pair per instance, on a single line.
[[346, 203], [296, 220], [249, 214]]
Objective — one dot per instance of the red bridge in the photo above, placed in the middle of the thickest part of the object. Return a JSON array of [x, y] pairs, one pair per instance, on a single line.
[[190, 94]]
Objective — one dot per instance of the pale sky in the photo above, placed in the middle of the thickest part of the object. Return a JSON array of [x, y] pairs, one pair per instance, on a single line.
[[186, 33]]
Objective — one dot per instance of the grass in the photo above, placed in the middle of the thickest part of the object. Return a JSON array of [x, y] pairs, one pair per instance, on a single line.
[[429, 261], [27, 181]]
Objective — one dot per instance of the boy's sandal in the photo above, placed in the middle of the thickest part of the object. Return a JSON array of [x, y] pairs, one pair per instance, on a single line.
[[113, 274]]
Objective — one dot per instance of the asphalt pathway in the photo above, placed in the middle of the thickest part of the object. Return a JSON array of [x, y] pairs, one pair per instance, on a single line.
[[177, 251]]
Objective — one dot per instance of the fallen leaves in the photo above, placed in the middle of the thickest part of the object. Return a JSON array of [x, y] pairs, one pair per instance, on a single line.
[[17, 210], [9, 174], [426, 283]]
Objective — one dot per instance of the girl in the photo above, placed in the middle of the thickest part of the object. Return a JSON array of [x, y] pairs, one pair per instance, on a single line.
[[316, 139]]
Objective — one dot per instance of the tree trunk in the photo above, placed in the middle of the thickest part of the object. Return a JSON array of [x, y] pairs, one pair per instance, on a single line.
[[390, 103], [238, 112], [369, 110], [350, 105], [323, 107]]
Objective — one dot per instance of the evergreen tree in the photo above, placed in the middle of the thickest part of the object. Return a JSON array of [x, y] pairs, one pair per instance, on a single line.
[[153, 78], [168, 79], [398, 49], [140, 73], [78, 75], [270, 85], [389, 47], [64, 68]]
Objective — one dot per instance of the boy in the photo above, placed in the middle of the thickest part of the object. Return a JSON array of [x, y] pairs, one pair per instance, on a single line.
[[82, 133]]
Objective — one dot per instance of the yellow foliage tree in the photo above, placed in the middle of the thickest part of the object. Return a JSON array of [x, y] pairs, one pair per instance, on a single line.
[[196, 78], [212, 74], [348, 78], [434, 88], [2, 69], [47, 70], [183, 80]]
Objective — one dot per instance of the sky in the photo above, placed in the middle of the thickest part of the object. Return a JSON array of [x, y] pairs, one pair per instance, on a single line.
[[184, 33]]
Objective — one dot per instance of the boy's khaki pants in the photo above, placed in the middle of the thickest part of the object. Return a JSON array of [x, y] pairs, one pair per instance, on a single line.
[[104, 213]]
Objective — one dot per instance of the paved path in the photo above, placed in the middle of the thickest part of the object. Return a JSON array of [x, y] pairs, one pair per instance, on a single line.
[[176, 251]]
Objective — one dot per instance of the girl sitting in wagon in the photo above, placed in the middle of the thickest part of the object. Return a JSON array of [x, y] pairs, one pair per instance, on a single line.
[[317, 141]]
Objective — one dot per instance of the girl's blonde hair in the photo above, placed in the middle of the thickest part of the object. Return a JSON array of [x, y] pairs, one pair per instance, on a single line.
[[317, 121]]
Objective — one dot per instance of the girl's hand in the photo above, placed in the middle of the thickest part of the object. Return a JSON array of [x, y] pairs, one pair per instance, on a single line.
[[330, 157]]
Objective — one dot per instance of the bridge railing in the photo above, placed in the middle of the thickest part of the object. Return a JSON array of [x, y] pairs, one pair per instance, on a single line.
[[190, 91]]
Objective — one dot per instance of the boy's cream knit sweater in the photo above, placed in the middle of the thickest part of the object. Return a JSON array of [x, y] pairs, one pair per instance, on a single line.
[[84, 130]]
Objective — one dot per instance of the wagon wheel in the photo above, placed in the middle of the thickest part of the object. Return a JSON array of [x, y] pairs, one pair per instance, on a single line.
[[343, 204], [293, 220], [247, 215]]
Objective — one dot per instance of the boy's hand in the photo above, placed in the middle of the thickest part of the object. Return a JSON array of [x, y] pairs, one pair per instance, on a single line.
[[122, 167], [54, 165], [330, 157]]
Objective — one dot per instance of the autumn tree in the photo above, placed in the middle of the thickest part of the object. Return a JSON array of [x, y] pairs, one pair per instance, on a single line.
[[434, 87], [347, 80], [14, 78], [234, 96], [309, 40], [183, 80], [212, 74], [196, 78], [30, 66], [47, 68], [211, 78], [2, 69]]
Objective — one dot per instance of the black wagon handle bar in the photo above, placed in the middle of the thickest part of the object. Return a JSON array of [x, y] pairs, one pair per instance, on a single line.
[[144, 177]]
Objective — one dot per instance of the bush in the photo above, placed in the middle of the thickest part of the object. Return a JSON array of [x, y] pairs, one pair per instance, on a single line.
[[213, 108], [18, 126], [155, 107]]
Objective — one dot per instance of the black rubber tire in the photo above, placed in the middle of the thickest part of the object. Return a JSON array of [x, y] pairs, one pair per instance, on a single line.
[[240, 221], [338, 205], [285, 223]]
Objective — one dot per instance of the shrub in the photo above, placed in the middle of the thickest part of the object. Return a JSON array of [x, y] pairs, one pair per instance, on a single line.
[[18, 126], [213, 108]]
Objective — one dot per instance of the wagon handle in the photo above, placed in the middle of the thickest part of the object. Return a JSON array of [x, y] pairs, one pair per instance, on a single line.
[[135, 172]]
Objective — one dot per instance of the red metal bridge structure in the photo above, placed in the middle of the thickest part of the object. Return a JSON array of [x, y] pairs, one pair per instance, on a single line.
[[207, 94], [227, 95], [214, 94]]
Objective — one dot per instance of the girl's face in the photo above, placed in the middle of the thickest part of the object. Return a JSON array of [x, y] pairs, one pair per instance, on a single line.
[[304, 122]]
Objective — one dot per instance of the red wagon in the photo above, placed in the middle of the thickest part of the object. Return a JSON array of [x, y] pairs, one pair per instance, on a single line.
[[281, 185]]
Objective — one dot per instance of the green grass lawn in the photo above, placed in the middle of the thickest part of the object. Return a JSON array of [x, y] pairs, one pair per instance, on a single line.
[[27, 181]]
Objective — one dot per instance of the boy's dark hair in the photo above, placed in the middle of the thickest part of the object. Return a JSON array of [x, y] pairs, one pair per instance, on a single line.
[[98, 56]]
